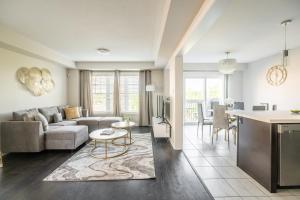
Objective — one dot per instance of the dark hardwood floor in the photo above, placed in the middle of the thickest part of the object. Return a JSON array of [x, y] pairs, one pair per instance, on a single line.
[[22, 178]]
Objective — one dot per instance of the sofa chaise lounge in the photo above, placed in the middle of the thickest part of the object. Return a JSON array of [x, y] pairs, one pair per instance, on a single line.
[[18, 135]]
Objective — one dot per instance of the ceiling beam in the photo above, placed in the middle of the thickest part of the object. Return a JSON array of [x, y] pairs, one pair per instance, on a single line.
[[160, 33], [16, 42], [206, 17]]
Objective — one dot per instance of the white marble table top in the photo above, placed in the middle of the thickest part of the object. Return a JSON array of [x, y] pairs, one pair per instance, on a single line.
[[123, 124], [98, 134]]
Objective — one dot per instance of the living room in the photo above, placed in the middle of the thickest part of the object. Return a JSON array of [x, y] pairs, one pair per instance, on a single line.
[[149, 99]]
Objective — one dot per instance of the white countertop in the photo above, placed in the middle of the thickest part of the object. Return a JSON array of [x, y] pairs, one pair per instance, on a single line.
[[268, 116]]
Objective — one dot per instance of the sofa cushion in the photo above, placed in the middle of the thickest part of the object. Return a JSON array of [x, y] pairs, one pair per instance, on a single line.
[[91, 122], [66, 137], [19, 115], [27, 118], [87, 119], [62, 111], [105, 122], [42, 118], [62, 132], [64, 123], [32, 113], [49, 112], [28, 114], [57, 117], [95, 123], [115, 119]]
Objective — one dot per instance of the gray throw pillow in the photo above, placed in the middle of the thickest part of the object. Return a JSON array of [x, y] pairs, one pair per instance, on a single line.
[[62, 111], [57, 117], [48, 112], [42, 118], [32, 113], [27, 118], [19, 115]]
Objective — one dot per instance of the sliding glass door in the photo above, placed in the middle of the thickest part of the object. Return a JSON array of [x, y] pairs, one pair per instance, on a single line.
[[194, 94], [206, 89]]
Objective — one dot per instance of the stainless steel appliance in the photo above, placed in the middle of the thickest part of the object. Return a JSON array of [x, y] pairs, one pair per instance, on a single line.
[[289, 154]]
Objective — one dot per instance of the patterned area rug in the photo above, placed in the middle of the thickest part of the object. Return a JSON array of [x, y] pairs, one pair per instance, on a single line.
[[137, 163]]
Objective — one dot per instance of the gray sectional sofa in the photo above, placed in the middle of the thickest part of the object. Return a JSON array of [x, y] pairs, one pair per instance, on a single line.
[[18, 135]]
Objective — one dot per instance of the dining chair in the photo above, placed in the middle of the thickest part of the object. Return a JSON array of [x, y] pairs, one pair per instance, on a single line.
[[213, 103], [202, 121], [221, 121], [258, 108]]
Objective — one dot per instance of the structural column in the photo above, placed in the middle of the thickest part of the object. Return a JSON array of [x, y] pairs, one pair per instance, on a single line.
[[176, 97]]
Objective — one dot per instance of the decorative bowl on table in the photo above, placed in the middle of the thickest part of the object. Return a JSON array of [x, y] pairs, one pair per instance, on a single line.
[[295, 111], [108, 131]]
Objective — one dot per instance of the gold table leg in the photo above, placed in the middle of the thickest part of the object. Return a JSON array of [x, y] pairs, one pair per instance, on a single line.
[[1, 162], [130, 135], [106, 155], [105, 149]]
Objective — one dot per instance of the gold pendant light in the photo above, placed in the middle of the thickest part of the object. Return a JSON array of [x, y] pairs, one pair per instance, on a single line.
[[276, 75]]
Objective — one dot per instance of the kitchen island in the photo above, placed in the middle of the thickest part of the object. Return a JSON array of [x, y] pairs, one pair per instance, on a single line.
[[258, 145]]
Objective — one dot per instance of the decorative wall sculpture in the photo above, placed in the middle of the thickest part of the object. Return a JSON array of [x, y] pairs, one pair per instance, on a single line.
[[38, 81]]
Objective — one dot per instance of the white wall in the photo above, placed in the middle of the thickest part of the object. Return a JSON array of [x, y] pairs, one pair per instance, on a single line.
[[166, 82], [157, 79], [14, 96], [257, 90], [235, 86], [73, 87]]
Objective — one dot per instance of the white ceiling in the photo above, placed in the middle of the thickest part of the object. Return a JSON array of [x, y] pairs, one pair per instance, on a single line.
[[76, 28], [250, 29]]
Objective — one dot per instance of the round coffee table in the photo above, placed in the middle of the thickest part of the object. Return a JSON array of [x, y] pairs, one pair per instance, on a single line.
[[97, 136], [127, 126]]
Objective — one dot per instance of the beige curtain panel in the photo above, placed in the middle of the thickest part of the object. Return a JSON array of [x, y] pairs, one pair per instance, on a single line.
[[86, 100], [146, 110], [116, 96]]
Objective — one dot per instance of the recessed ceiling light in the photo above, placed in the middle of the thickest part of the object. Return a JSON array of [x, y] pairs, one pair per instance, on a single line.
[[103, 51]]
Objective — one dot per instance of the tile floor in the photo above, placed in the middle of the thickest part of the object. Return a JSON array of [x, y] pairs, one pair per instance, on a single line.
[[216, 165]]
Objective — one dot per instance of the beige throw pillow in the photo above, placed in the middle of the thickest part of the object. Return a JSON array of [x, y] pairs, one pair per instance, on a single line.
[[72, 113]]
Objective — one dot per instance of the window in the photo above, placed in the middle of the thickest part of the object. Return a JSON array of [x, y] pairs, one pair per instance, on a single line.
[[214, 90], [102, 88], [194, 94], [205, 89], [129, 92], [194, 89]]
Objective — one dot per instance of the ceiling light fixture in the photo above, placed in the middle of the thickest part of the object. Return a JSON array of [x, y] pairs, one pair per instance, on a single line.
[[103, 51], [285, 52], [227, 65], [277, 74]]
